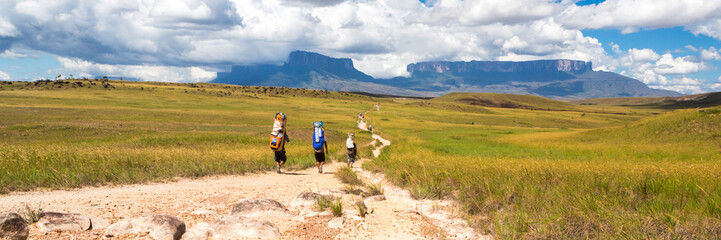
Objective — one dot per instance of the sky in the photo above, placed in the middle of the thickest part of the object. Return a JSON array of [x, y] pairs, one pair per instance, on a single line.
[[667, 44]]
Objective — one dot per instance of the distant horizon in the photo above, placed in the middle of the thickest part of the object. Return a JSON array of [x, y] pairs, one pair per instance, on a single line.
[[672, 45]]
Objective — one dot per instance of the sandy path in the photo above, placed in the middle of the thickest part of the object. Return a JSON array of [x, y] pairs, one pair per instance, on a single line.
[[206, 199]]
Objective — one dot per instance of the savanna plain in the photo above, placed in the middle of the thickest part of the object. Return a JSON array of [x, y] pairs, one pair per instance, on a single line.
[[518, 167]]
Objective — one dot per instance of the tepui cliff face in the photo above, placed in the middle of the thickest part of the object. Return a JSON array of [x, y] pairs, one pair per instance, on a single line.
[[561, 65], [548, 78]]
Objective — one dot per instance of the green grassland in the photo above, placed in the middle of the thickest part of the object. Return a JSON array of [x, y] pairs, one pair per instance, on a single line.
[[63, 135], [563, 174], [519, 166]]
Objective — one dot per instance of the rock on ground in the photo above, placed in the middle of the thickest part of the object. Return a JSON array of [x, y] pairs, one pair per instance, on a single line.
[[98, 223], [256, 207], [13, 227], [160, 227], [336, 222], [304, 199], [376, 198], [201, 231], [57, 221], [235, 226]]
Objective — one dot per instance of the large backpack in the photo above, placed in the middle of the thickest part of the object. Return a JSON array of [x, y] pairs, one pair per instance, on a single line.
[[277, 136], [318, 136]]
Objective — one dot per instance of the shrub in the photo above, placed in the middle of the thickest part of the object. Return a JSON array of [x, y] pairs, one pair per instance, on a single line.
[[323, 202], [348, 176], [374, 189], [361, 209], [31, 214], [337, 208]]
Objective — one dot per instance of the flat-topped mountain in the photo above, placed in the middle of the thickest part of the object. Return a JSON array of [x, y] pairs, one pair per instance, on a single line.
[[548, 78], [561, 65]]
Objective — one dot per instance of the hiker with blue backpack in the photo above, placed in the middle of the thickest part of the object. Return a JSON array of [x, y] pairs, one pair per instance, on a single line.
[[319, 144]]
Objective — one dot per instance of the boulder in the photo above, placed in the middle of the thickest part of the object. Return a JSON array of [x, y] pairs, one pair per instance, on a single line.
[[235, 226], [13, 227], [201, 231], [160, 227], [336, 222], [57, 221], [259, 207], [304, 199]]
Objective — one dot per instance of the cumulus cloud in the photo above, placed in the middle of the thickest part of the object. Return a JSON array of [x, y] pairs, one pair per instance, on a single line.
[[710, 54], [686, 85], [7, 29], [632, 15], [134, 38], [667, 64], [4, 76], [83, 68], [12, 55], [643, 55]]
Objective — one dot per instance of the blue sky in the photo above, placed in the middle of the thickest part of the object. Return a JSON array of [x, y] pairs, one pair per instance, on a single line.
[[667, 44]]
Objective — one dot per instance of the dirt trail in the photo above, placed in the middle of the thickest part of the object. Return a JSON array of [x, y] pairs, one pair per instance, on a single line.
[[207, 199], [440, 213]]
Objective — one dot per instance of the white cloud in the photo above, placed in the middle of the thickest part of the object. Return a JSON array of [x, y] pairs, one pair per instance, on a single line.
[[632, 15], [12, 55], [7, 29], [134, 38], [710, 54], [711, 27], [82, 68], [691, 48], [679, 65], [684, 85], [4, 76], [643, 55]]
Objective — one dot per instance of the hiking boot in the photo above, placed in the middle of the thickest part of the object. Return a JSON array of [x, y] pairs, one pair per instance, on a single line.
[[278, 168], [320, 169]]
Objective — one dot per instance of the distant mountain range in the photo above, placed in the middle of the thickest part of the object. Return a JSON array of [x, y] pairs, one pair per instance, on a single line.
[[547, 78]]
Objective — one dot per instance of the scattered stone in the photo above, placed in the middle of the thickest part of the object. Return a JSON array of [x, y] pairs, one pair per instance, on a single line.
[[376, 198], [356, 218], [61, 222], [336, 222], [235, 226], [304, 199], [258, 207], [159, 226], [325, 213], [13, 227], [307, 211], [360, 203], [411, 211], [201, 231], [202, 212]]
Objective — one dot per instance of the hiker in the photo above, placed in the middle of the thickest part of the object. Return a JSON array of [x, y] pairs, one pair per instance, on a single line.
[[318, 144], [370, 128], [278, 138], [352, 149]]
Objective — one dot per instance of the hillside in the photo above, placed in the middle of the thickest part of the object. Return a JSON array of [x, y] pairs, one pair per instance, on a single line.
[[688, 101], [500, 100], [635, 172], [548, 78]]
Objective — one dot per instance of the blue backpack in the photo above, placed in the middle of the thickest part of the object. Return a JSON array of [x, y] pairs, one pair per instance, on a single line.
[[318, 135]]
